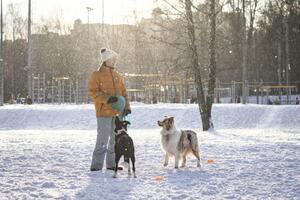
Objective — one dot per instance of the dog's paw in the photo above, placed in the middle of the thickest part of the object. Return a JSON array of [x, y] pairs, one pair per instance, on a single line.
[[182, 166], [176, 167], [165, 164], [115, 176], [199, 164], [134, 176]]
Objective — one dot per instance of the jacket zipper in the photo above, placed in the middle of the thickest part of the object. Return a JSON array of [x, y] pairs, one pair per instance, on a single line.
[[101, 107], [112, 77]]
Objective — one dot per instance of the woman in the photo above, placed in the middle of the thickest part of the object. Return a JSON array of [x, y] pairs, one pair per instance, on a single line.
[[105, 85]]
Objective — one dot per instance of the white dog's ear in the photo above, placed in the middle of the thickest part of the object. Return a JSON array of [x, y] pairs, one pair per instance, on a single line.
[[171, 120], [159, 123]]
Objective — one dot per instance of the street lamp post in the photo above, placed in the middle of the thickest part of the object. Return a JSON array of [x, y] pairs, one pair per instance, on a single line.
[[244, 56], [102, 17], [287, 66], [29, 61], [89, 9], [1, 60]]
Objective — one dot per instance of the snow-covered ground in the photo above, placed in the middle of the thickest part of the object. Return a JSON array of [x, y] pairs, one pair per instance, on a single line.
[[45, 152]]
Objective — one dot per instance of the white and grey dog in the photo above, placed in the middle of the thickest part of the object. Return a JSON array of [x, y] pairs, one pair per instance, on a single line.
[[178, 143]]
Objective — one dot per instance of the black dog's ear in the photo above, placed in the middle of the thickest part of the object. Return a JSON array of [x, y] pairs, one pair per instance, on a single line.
[[125, 124]]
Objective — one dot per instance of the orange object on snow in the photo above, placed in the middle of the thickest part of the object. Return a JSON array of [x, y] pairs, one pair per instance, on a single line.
[[210, 161], [158, 178]]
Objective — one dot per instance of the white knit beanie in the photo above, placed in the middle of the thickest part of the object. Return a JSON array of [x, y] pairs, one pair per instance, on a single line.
[[107, 54]]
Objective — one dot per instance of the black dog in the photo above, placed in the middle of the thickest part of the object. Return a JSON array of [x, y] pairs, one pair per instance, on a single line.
[[123, 146]]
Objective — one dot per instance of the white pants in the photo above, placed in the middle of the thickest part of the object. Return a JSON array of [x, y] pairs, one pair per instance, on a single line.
[[106, 135]]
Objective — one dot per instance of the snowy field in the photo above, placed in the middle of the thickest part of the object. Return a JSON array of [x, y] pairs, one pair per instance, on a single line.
[[46, 153]]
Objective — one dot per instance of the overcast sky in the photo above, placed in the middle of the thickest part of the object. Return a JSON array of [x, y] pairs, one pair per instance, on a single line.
[[116, 11]]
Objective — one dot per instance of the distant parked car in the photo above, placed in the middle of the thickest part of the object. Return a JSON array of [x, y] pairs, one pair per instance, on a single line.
[[22, 100]]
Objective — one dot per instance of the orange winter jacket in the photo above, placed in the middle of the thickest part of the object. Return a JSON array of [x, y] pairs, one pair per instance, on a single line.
[[103, 83]]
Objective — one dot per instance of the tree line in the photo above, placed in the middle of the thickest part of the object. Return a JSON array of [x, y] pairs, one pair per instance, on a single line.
[[263, 36]]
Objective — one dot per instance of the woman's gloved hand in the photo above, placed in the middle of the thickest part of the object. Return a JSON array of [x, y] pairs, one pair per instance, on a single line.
[[112, 99]]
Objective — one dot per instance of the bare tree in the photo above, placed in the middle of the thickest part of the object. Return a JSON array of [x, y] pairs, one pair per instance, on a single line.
[[16, 23], [246, 35], [16, 30], [212, 59], [205, 105]]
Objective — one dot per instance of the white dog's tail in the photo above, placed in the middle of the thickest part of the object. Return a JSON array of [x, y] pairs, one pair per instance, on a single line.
[[192, 137], [188, 138]]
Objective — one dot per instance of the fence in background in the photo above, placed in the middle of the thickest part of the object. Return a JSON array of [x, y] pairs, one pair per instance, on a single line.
[[59, 90], [67, 90]]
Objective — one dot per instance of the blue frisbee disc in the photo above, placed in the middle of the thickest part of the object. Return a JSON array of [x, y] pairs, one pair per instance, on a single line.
[[120, 104]]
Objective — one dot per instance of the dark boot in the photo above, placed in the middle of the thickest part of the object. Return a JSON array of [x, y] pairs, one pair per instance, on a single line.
[[94, 169]]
